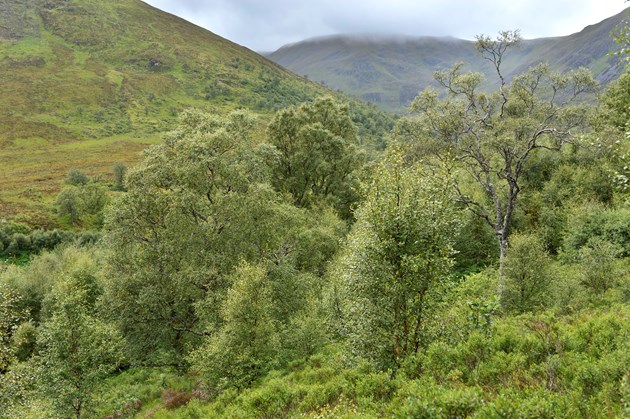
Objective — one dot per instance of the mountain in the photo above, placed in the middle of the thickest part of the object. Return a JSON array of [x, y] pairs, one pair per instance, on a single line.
[[390, 71], [86, 83]]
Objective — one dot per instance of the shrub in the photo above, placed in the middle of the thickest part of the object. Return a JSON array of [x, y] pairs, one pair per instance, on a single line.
[[76, 177], [119, 176], [70, 204], [600, 268], [527, 275]]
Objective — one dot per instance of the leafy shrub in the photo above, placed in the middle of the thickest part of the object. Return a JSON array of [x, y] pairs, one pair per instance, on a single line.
[[377, 386], [600, 267], [527, 275], [70, 204], [426, 399], [120, 170], [76, 177], [595, 221]]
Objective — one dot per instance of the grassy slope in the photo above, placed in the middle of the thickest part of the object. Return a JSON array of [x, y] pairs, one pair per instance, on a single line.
[[390, 72], [86, 83]]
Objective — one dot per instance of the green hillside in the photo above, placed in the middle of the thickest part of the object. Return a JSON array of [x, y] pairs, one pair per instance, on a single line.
[[391, 71], [86, 83], [470, 260]]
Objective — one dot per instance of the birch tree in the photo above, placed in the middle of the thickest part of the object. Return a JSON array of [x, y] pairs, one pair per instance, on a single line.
[[493, 135]]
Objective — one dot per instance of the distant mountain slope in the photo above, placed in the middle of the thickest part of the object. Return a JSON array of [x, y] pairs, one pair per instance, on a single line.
[[85, 83], [93, 68], [390, 71]]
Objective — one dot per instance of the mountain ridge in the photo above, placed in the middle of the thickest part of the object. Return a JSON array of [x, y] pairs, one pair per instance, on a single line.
[[391, 69]]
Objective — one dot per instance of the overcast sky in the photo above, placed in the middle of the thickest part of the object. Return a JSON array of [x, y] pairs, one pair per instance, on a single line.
[[266, 25]]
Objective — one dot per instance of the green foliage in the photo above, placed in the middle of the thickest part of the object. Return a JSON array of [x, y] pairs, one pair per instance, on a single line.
[[119, 176], [76, 349], [248, 333], [214, 264], [188, 195], [70, 204], [11, 314], [398, 260], [493, 136], [78, 101], [17, 248], [74, 203], [615, 112], [599, 264], [127, 392], [528, 366], [35, 281], [16, 390], [612, 119], [596, 221], [317, 154], [527, 275], [475, 245], [23, 340], [76, 177], [427, 400], [205, 190]]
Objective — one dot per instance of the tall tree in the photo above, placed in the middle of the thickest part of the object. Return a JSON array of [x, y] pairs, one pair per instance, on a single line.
[[198, 205], [317, 154], [398, 259], [178, 228], [493, 135]]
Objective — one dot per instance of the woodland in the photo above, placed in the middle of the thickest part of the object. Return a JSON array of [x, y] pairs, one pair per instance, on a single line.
[[472, 261]]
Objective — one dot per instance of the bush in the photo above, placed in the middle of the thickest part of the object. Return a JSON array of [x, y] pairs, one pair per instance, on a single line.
[[70, 204], [599, 263], [595, 221], [119, 176], [76, 177], [527, 275], [426, 399], [23, 341]]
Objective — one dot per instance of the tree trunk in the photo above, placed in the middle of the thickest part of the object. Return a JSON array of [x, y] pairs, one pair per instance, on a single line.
[[503, 248], [77, 409]]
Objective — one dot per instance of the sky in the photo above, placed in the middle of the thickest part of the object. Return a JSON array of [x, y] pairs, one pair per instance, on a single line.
[[266, 25]]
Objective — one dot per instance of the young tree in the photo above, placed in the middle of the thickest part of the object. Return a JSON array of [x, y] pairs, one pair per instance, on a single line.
[[76, 177], [527, 275], [120, 170], [600, 268], [70, 204], [11, 314], [170, 237], [76, 349], [398, 259], [613, 119], [493, 136], [247, 344]]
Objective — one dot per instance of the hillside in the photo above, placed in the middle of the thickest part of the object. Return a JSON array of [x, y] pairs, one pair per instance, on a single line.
[[86, 83], [390, 71], [474, 263]]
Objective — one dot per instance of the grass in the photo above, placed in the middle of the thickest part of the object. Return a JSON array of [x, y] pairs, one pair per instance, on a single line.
[[87, 83]]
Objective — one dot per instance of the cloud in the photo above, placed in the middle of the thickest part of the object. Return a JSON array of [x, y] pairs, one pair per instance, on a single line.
[[267, 25]]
